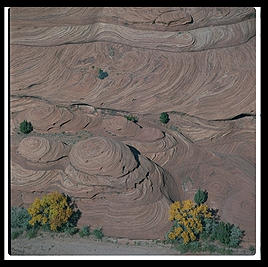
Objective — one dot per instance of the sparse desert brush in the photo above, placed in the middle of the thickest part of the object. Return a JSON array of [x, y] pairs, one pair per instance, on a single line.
[[54, 209], [98, 233], [85, 231], [16, 233], [131, 118], [228, 234], [20, 218]]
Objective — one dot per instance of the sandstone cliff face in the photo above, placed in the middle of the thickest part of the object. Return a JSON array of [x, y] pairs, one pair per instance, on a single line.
[[197, 64]]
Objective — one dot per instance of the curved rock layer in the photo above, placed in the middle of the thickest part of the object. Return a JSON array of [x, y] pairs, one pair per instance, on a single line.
[[160, 150], [199, 130], [128, 195], [151, 142], [190, 40], [140, 80], [153, 18], [102, 156], [40, 150], [30, 180], [119, 126], [127, 186], [49, 118], [44, 117], [198, 64]]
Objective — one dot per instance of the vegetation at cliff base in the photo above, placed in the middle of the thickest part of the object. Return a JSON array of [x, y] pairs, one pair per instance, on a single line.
[[196, 227]]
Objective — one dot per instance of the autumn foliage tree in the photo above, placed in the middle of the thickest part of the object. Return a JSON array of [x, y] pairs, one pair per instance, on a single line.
[[54, 210], [194, 221]]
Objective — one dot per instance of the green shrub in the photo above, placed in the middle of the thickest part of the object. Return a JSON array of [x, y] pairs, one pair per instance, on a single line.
[[236, 236], [85, 231], [252, 249], [200, 197], [32, 232], [131, 118], [71, 230], [16, 233], [229, 235], [223, 232], [20, 218], [164, 118], [98, 233], [26, 127], [102, 74], [193, 247], [209, 226], [211, 248]]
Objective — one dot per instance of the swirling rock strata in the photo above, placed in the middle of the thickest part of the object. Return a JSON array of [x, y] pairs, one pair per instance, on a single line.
[[102, 156], [126, 187], [41, 150], [150, 18], [154, 81], [152, 142], [114, 187], [48, 118], [45, 117], [194, 40], [198, 64]]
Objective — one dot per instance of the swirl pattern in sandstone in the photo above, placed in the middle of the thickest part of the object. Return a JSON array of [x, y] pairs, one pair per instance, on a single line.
[[29, 179], [45, 117], [150, 141], [154, 81], [128, 189], [48, 118], [41, 150], [154, 18], [191, 40], [119, 126], [151, 144], [198, 64], [102, 156]]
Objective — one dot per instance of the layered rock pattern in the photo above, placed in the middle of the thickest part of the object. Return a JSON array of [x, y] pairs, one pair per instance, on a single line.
[[115, 187], [197, 64]]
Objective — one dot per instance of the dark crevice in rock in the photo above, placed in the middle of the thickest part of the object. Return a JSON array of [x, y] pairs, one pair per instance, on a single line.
[[237, 117], [136, 154]]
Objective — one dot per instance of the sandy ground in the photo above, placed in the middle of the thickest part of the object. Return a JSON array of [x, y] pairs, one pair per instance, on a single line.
[[48, 244], [62, 245]]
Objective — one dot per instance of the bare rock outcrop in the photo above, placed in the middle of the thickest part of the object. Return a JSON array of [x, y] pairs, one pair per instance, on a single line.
[[114, 186], [126, 187]]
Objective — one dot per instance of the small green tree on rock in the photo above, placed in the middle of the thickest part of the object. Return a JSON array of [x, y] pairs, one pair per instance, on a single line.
[[164, 118], [26, 127], [200, 197], [131, 118], [102, 74]]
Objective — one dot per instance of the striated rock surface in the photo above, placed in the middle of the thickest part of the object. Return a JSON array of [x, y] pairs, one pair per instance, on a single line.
[[126, 185], [195, 63], [111, 182]]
